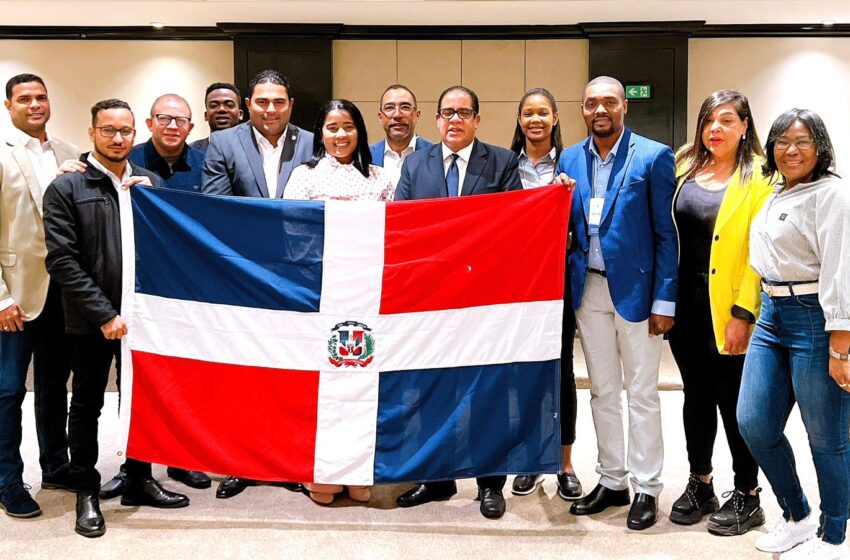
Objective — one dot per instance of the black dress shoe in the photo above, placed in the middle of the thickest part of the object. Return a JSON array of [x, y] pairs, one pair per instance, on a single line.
[[643, 512], [232, 485], [569, 487], [148, 492], [525, 484], [114, 487], [57, 480], [90, 521], [599, 499], [291, 486], [192, 479], [492, 503], [425, 492]]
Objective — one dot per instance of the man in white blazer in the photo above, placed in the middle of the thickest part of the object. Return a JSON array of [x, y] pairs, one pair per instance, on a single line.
[[31, 320]]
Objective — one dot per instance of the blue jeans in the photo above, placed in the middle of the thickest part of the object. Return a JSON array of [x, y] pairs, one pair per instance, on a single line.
[[788, 362]]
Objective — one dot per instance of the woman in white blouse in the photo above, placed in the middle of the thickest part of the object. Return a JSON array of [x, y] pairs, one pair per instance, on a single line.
[[800, 246], [340, 169]]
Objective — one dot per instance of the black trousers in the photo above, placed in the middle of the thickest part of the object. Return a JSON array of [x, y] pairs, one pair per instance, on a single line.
[[568, 376], [711, 381], [91, 359]]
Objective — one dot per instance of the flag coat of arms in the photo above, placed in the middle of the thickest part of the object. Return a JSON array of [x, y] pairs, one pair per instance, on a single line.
[[343, 342]]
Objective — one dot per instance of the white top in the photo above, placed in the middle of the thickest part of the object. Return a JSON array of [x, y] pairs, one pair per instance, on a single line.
[[393, 161], [116, 181], [42, 158], [803, 234], [332, 180], [462, 163], [271, 159]]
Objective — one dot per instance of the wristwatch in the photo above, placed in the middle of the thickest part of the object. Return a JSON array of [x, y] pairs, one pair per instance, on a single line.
[[839, 355]]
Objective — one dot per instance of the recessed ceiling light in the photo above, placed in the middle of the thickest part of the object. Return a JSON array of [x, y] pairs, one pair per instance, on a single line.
[[829, 22], [157, 24]]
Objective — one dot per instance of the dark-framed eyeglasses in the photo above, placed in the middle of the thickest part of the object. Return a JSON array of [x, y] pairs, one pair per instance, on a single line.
[[404, 109], [464, 113], [110, 131], [165, 120]]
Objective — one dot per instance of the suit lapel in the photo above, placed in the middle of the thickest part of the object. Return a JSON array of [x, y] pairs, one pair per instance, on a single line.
[[287, 157], [584, 182], [732, 199], [435, 169], [474, 169], [19, 152], [625, 152], [255, 160]]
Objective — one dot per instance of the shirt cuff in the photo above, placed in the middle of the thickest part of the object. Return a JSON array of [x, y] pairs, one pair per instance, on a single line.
[[661, 307], [6, 303], [837, 325]]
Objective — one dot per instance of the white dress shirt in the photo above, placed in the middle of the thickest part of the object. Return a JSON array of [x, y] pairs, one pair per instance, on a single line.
[[462, 163], [42, 158], [393, 161], [116, 180], [271, 159]]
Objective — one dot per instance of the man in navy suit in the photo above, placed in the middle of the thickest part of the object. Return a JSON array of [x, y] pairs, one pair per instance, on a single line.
[[398, 116], [623, 269], [459, 165], [256, 158]]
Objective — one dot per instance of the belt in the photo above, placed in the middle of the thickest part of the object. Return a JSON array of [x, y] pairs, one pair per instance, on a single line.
[[601, 273], [786, 289]]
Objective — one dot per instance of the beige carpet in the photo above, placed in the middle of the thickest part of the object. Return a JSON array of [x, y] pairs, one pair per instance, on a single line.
[[270, 522]]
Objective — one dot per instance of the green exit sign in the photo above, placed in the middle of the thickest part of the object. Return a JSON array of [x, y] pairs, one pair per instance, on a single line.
[[639, 92]]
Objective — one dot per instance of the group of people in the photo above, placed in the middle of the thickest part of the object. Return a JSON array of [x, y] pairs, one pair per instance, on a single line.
[[731, 249]]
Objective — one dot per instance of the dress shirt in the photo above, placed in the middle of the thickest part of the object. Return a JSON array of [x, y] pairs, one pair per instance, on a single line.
[[802, 234], [42, 158], [393, 161], [601, 175], [271, 159], [116, 181], [462, 163], [332, 180], [540, 174]]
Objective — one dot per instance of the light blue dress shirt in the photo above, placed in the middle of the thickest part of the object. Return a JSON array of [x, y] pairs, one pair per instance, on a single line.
[[601, 175]]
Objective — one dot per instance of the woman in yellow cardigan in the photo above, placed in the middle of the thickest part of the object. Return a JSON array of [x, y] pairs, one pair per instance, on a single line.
[[720, 190]]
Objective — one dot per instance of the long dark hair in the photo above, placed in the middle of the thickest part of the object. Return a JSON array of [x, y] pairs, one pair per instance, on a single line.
[[697, 155], [518, 143], [362, 156], [811, 120]]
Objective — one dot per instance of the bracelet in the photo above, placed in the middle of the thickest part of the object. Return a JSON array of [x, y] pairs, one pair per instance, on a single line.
[[839, 355]]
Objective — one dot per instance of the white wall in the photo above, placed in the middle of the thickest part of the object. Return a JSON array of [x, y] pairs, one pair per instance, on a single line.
[[777, 74], [80, 73]]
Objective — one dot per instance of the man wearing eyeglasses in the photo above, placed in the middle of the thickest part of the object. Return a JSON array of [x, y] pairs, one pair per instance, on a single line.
[[166, 153], [460, 165], [30, 304], [398, 116], [83, 234]]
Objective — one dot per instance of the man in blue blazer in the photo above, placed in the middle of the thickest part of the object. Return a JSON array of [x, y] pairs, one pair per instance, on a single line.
[[623, 269], [398, 116], [459, 165], [257, 157]]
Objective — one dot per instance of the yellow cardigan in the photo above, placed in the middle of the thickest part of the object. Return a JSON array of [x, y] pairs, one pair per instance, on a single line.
[[731, 280]]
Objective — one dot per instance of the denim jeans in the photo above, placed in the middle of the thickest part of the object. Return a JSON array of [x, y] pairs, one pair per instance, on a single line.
[[788, 362], [43, 341]]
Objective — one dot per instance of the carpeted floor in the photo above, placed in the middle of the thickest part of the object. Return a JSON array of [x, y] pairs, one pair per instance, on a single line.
[[271, 522]]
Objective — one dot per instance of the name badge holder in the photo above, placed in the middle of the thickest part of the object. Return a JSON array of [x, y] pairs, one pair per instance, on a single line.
[[595, 217]]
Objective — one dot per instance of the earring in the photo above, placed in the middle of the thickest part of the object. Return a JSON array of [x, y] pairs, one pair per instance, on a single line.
[[744, 136]]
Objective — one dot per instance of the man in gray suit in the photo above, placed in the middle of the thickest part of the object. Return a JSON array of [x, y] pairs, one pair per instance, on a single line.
[[256, 158]]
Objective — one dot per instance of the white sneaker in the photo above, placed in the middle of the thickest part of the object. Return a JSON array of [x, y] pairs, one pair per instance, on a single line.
[[816, 549], [785, 535]]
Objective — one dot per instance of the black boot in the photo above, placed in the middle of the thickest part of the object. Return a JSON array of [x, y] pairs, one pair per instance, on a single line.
[[738, 515], [90, 521], [697, 501]]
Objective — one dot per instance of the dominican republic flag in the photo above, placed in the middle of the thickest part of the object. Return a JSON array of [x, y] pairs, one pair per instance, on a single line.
[[343, 342]]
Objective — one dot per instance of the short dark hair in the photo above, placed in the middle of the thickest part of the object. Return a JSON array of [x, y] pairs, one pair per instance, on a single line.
[[518, 142], [107, 104], [399, 86], [696, 156], [269, 76], [362, 154], [21, 79], [223, 85], [811, 120], [609, 81], [465, 90]]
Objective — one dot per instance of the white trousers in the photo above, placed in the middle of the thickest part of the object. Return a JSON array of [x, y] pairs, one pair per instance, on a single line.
[[621, 354]]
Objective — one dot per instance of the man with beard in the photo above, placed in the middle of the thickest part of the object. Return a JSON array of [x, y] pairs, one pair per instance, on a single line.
[[623, 267], [398, 116], [221, 111], [83, 235]]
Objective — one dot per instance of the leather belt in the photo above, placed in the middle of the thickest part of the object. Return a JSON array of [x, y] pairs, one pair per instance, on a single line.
[[598, 272], [786, 289]]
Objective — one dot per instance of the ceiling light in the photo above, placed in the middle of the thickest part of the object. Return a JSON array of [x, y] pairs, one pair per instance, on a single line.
[[157, 24]]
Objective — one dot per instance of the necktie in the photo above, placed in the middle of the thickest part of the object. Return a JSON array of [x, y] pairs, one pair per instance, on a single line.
[[453, 177]]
